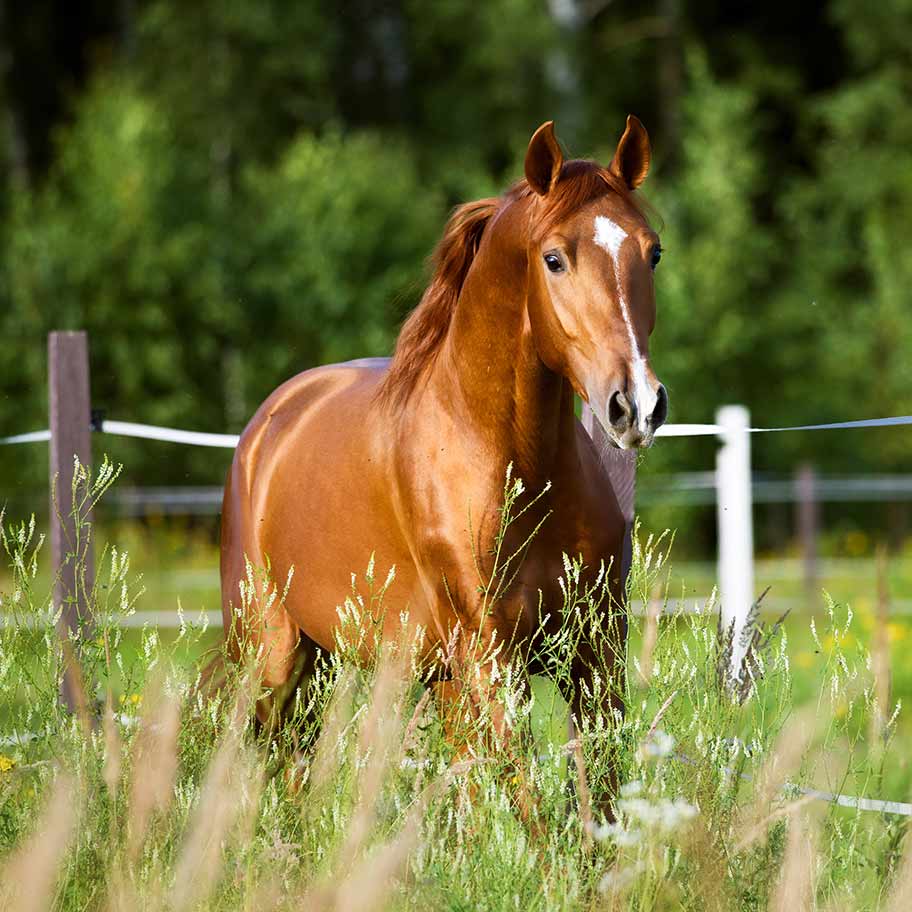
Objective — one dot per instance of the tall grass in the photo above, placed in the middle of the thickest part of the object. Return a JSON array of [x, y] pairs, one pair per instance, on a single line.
[[164, 796]]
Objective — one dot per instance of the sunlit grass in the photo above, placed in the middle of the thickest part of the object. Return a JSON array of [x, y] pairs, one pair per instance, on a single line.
[[163, 796]]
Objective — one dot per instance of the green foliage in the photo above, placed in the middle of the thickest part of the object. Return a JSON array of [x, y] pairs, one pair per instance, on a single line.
[[320, 259], [711, 284], [335, 262], [849, 225], [242, 191]]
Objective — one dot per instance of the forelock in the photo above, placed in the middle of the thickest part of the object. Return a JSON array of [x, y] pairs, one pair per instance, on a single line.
[[580, 182]]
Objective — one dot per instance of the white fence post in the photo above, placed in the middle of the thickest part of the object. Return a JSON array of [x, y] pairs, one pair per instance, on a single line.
[[735, 523]]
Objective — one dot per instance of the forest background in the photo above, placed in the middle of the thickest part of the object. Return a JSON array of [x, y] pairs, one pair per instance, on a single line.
[[226, 193]]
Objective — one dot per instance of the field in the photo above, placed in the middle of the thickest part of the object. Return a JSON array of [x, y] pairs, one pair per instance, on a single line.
[[158, 796]]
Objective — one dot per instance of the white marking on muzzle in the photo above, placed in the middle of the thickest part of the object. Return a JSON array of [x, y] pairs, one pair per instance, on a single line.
[[610, 236]]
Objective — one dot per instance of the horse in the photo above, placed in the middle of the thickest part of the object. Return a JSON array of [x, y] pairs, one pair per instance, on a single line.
[[540, 293]]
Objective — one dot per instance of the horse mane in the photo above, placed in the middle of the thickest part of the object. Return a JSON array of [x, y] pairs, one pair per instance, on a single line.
[[426, 327], [580, 182]]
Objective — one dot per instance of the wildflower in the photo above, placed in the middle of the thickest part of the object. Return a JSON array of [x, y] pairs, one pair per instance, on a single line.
[[662, 815], [617, 834], [658, 744], [6, 763], [674, 813]]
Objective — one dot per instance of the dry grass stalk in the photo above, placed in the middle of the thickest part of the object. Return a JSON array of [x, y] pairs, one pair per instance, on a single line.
[[582, 789], [72, 676], [880, 652], [759, 830], [362, 880], [29, 877], [794, 890], [379, 736], [225, 793], [650, 637], [782, 762], [154, 772], [154, 764], [417, 715], [112, 764], [368, 883], [899, 898], [658, 716], [338, 716], [709, 860], [368, 886]]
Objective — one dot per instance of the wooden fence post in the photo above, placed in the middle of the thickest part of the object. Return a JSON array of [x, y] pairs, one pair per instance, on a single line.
[[807, 510], [621, 467], [69, 409]]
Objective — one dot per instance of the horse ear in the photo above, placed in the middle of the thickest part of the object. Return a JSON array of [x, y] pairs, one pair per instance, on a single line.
[[631, 158], [543, 159]]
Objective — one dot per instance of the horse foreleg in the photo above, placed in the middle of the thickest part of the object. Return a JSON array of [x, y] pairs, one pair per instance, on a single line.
[[282, 681], [474, 698], [269, 645]]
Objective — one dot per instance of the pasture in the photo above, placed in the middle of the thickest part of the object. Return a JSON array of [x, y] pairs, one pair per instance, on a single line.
[[236, 203], [154, 797]]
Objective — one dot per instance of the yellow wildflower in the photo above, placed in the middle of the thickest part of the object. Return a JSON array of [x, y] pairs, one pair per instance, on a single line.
[[6, 763]]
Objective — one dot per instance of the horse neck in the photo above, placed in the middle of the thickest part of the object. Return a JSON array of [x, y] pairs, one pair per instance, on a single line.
[[489, 369]]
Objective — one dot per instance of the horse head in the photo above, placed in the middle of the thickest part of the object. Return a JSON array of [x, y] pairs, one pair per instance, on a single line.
[[591, 298]]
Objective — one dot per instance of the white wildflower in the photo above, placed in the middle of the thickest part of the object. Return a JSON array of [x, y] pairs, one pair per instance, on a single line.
[[617, 834], [658, 744]]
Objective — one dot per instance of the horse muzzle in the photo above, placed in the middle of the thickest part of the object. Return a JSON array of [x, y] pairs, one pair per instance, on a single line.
[[631, 422]]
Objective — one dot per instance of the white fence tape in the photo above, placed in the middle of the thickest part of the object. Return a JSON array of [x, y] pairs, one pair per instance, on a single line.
[[161, 617], [31, 437], [230, 441], [707, 430], [688, 430], [861, 804], [850, 801], [172, 435]]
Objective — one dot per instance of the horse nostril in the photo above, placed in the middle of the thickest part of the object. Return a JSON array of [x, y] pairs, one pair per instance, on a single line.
[[660, 412], [620, 410]]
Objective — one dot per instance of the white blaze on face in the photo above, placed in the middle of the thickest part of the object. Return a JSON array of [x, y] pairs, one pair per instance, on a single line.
[[610, 236]]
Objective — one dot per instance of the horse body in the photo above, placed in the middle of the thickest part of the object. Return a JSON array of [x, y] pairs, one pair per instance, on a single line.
[[407, 458], [321, 481]]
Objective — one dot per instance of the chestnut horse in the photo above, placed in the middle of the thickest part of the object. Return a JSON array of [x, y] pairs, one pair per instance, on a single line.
[[536, 294]]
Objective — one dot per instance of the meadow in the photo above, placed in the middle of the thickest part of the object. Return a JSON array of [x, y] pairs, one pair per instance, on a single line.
[[158, 794]]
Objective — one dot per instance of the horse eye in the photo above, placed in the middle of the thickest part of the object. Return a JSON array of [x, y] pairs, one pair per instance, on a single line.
[[656, 255], [554, 262]]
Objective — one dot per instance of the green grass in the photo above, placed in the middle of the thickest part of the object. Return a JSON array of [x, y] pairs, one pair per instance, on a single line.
[[176, 801]]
